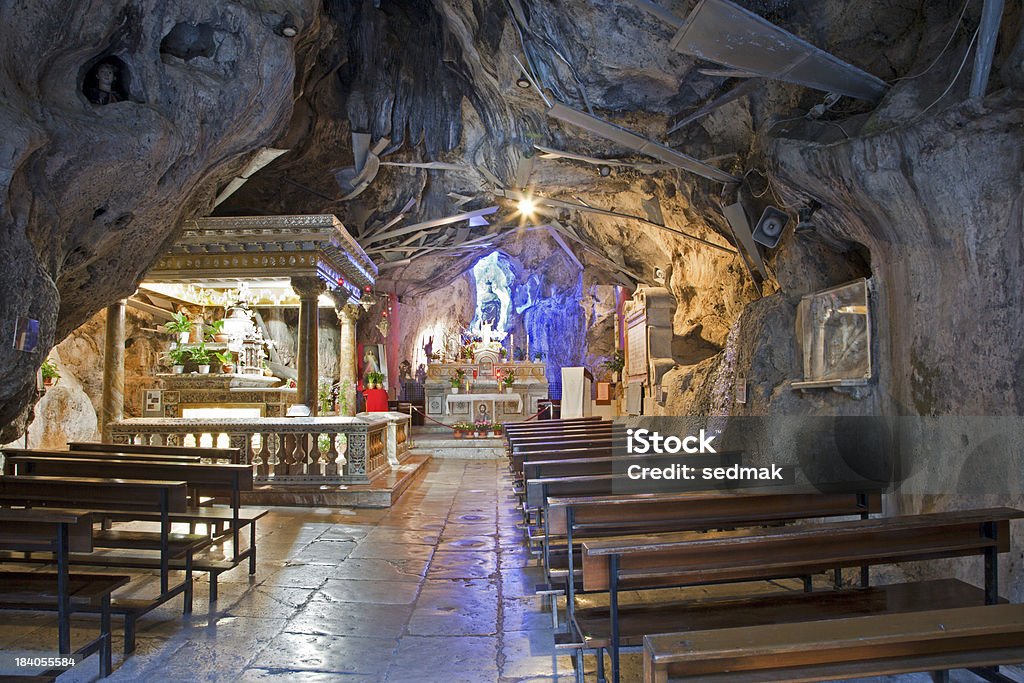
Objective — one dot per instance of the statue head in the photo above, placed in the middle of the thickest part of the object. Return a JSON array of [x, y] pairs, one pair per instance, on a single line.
[[105, 76]]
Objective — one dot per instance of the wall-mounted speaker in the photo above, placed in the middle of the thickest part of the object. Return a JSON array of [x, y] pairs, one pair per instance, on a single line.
[[769, 229]]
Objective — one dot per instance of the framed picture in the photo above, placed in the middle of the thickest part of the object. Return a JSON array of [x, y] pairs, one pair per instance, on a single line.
[[26, 334], [373, 359], [153, 404]]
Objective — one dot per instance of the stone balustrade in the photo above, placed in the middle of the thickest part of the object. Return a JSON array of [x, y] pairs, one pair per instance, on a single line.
[[287, 451]]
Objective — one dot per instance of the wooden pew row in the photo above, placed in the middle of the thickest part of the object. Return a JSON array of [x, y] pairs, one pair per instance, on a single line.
[[96, 455], [525, 438], [571, 521], [121, 495], [203, 479], [58, 532], [232, 455], [935, 640], [548, 424], [687, 559]]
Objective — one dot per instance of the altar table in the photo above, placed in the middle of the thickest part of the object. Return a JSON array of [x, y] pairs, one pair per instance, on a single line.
[[491, 398]]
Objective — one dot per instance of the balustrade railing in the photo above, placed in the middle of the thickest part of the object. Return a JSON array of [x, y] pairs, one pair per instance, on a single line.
[[299, 450]]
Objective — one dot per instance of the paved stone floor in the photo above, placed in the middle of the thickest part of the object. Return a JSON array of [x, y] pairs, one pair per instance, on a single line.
[[437, 589]]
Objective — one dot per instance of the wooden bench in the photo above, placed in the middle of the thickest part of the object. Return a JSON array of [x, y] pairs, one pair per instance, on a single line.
[[549, 424], [690, 559], [58, 532], [575, 520], [232, 455], [96, 455], [853, 647], [202, 478], [135, 497]]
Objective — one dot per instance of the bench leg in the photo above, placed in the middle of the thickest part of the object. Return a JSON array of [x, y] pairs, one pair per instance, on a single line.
[[579, 665], [600, 666], [188, 583], [808, 584], [991, 673], [106, 660], [940, 677], [129, 634], [213, 587], [252, 548]]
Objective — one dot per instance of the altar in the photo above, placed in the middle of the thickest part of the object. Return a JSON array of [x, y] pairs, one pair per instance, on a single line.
[[481, 400]]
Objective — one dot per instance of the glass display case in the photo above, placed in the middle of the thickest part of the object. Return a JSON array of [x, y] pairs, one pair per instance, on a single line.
[[834, 330]]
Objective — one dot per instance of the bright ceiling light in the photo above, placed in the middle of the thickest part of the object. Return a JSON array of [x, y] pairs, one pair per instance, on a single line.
[[526, 206]]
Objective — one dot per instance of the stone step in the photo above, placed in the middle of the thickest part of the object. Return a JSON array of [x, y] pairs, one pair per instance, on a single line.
[[475, 449]]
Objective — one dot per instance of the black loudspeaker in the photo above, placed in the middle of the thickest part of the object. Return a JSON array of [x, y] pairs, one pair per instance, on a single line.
[[769, 229]]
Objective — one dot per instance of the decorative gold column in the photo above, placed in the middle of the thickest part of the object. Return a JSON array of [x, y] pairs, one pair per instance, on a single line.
[[306, 356], [347, 314], [113, 369]]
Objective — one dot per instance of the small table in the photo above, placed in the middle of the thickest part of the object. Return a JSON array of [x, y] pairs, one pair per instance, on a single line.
[[491, 398]]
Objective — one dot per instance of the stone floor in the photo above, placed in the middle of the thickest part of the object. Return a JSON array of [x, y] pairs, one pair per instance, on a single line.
[[439, 588]]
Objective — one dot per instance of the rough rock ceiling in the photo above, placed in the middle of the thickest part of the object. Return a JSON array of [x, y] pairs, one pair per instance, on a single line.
[[92, 193], [437, 81]]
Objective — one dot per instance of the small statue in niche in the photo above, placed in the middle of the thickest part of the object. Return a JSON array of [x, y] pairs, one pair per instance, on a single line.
[[106, 82], [405, 370], [490, 307]]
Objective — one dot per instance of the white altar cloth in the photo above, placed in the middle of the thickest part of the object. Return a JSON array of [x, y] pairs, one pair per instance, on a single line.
[[490, 398]]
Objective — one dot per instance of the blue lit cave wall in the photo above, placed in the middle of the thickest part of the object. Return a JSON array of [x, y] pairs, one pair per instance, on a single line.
[[537, 290], [541, 300], [536, 294]]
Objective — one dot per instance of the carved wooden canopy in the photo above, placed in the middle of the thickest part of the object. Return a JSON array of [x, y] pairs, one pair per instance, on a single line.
[[219, 251]]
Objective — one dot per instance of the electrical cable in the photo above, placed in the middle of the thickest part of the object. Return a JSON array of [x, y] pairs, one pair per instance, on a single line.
[[949, 87], [942, 51]]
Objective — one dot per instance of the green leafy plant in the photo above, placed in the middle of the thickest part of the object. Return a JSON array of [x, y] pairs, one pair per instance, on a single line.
[[199, 354], [225, 357], [508, 377], [616, 362], [323, 395], [49, 369], [375, 379], [213, 329], [343, 387], [458, 378], [179, 325], [178, 356]]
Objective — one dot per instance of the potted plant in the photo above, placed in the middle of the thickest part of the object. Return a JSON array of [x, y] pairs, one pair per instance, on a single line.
[[375, 380], [538, 357], [177, 356], [201, 357], [615, 364], [227, 361], [215, 332], [508, 378], [482, 428], [50, 374], [459, 430], [457, 379], [497, 429], [180, 326]]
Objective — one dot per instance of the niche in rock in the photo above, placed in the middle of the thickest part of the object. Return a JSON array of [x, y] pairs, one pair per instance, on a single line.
[[494, 280], [107, 80], [187, 41]]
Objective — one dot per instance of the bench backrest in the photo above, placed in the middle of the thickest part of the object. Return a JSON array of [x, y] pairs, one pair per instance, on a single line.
[[662, 560], [98, 455], [233, 455], [538, 490], [36, 529], [211, 479], [94, 494], [609, 464], [548, 424], [657, 512]]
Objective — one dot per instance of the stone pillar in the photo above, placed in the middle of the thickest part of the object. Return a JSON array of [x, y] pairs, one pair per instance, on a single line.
[[113, 369], [309, 289], [347, 314]]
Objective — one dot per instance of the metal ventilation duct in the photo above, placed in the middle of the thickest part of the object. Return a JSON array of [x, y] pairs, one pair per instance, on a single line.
[[631, 140], [719, 31]]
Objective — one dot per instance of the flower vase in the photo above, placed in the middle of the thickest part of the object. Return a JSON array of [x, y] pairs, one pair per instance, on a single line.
[[455, 390]]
